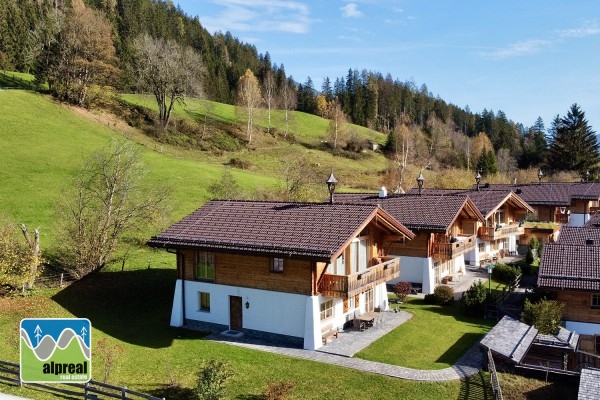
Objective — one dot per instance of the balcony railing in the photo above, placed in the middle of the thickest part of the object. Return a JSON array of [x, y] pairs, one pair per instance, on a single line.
[[448, 251], [489, 233], [560, 218], [345, 286], [594, 210]]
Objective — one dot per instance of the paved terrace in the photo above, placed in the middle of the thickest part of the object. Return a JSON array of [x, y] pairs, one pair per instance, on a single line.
[[340, 351]]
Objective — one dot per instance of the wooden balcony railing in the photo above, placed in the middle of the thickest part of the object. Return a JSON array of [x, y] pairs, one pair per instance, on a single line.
[[594, 210], [561, 218], [489, 233], [345, 286], [448, 251]]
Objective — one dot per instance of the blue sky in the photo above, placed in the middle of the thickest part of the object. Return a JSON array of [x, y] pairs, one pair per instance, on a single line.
[[527, 58]]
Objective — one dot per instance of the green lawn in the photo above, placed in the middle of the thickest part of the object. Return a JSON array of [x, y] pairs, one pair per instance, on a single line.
[[434, 338], [132, 310]]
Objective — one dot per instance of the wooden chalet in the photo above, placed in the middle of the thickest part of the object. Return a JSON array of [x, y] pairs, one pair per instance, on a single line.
[[445, 228], [285, 271], [570, 269]]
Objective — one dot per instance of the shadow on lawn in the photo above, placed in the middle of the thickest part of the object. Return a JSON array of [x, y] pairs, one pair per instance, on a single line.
[[476, 387], [460, 347], [132, 306]]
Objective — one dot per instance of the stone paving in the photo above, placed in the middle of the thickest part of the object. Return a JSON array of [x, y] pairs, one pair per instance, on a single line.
[[339, 352]]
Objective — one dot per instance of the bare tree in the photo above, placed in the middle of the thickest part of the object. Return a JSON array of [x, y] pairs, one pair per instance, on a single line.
[[269, 87], [289, 97], [34, 249], [337, 122], [167, 70], [18, 262], [109, 202], [249, 99]]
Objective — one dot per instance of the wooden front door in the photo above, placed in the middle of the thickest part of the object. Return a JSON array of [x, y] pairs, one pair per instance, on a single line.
[[235, 312]]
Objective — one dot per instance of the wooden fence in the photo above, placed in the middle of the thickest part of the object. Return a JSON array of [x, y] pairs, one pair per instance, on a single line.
[[496, 391], [9, 372]]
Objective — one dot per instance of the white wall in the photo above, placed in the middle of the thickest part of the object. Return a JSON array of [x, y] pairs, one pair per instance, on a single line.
[[578, 219], [275, 312], [418, 270], [583, 328]]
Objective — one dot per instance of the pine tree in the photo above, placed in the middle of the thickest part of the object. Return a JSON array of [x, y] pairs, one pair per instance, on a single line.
[[574, 146]]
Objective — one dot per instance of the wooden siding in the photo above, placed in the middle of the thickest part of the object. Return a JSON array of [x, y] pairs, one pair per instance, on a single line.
[[489, 233], [417, 247], [255, 271], [578, 306]]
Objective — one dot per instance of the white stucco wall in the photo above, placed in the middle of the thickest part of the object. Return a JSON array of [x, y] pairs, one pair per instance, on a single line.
[[578, 219], [583, 328], [418, 270]]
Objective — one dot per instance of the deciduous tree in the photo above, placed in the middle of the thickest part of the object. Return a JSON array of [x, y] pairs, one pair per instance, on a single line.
[[249, 99], [18, 260], [110, 201], [288, 98], [167, 70]]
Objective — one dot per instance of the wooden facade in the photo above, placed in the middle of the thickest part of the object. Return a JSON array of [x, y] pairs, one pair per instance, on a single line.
[[578, 306]]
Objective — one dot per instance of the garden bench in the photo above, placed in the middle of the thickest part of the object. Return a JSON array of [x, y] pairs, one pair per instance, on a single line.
[[327, 332]]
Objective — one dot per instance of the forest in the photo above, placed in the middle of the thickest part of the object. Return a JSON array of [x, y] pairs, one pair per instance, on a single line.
[[40, 37]]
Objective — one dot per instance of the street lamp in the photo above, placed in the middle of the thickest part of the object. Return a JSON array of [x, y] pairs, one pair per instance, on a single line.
[[420, 180], [490, 267], [540, 175], [478, 179], [331, 182]]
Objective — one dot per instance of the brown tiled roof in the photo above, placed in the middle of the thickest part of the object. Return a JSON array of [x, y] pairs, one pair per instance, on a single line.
[[589, 384], [313, 230], [579, 235], [586, 191], [570, 266], [433, 212]]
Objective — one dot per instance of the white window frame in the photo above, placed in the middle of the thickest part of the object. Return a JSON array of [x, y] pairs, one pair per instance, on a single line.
[[326, 310]]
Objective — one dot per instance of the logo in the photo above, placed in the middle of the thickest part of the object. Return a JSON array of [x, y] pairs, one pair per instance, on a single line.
[[56, 350]]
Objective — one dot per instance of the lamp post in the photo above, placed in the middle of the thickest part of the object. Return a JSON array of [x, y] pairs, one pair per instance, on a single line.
[[331, 182], [490, 267], [540, 175], [478, 179], [420, 180]]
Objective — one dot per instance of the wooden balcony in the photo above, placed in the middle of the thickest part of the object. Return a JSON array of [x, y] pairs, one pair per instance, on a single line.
[[560, 218], [448, 251], [345, 286], [594, 210], [489, 233]]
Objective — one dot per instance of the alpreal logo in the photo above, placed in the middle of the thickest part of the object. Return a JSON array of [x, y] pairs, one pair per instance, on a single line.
[[56, 350]]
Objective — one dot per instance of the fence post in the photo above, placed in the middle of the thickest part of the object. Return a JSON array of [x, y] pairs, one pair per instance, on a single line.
[[61, 279], [123, 393]]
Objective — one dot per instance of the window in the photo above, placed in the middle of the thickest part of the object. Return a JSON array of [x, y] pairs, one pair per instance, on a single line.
[[596, 301], [481, 247], [326, 310], [203, 301], [369, 300], [205, 266], [277, 265]]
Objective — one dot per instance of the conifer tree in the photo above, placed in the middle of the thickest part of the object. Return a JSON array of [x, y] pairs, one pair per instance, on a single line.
[[574, 146]]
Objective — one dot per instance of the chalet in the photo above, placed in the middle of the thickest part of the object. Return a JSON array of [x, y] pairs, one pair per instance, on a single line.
[[503, 212], [565, 203], [570, 269], [445, 228], [294, 272]]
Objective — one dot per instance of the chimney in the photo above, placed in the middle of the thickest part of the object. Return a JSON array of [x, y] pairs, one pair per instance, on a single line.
[[515, 181], [589, 242], [382, 192]]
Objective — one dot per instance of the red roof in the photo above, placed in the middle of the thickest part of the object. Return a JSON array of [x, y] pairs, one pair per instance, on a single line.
[[312, 230]]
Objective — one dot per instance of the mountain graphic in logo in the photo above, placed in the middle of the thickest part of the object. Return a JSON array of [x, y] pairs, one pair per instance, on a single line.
[[55, 350]]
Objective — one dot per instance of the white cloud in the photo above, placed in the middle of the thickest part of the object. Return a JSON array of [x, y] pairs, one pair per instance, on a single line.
[[259, 16], [524, 48], [351, 10], [589, 28]]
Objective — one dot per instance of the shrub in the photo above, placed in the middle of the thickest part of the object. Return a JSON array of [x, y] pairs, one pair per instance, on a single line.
[[472, 302], [545, 315], [430, 299], [504, 273], [529, 257], [402, 289], [211, 380], [278, 390], [444, 294]]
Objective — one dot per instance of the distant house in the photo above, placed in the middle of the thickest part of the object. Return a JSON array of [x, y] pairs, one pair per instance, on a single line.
[[286, 271], [570, 269], [445, 228], [500, 232]]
